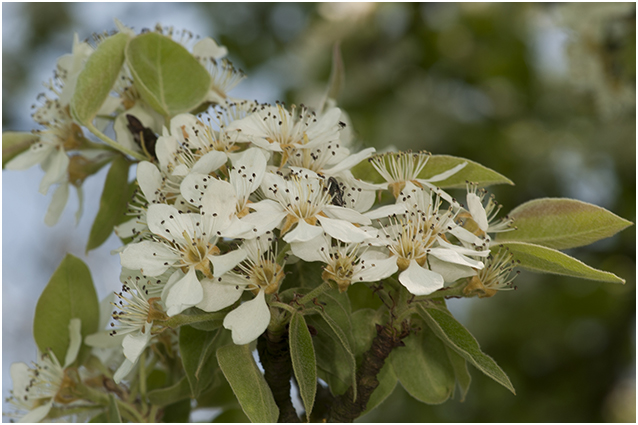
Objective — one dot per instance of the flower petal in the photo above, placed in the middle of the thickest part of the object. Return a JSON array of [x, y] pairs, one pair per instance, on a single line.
[[303, 232], [184, 293], [152, 258], [55, 167], [37, 414], [134, 343], [315, 249], [475, 206], [419, 280], [373, 270], [226, 262], [124, 369], [249, 320], [222, 292], [75, 341], [58, 202], [347, 214], [454, 257], [451, 272], [343, 230], [150, 180]]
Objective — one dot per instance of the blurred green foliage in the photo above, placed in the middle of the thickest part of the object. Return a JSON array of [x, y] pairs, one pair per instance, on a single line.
[[481, 81]]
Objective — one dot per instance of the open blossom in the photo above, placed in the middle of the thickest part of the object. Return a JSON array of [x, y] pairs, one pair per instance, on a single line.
[[419, 234], [37, 388], [302, 201], [276, 129], [399, 168], [261, 274], [346, 263], [186, 241]]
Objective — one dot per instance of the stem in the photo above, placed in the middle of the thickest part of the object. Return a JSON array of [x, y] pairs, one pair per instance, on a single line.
[[345, 408], [274, 355], [314, 293], [112, 143]]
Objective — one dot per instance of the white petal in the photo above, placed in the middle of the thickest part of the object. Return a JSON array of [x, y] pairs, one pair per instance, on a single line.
[[149, 179], [75, 341], [184, 293], [58, 202], [343, 230], [373, 270], [346, 214], [207, 48], [165, 149], [475, 206], [20, 377], [419, 280], [350, 161], [37, 414], [249, 320], [128, 228], [219, 294], [32, 156], [465, 235], [165, 221], [315, 249], [248, 172], [226, 262], [104, 339], [134, 343], [78, 213], [302, 232], [454, 257], [210, 162], [386, 211], [153, 258], [220, 202], [55, 166], [123, 370], [450, 272]]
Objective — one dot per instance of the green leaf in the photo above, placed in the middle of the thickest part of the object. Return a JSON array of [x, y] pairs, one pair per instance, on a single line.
[[541, 259], [167, 76], [339, 330], [113, 413], [304, 363], [423, 368], [97, 78], [562, 223], [473, 172], [69, 294], [455, 336], [248, 384], [113, 203], [231, 416], [177, 412], [437, 164], [459, 364], [197, 351], [14, 143], [169, 395]]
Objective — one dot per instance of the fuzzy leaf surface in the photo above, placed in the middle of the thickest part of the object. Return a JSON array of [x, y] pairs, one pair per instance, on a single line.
[[562, 223], [541, 259]]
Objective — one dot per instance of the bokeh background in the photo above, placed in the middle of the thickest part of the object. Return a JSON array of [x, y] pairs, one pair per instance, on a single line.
[[542, 93]]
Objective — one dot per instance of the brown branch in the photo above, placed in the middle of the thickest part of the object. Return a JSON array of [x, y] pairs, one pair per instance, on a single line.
[[345, 408], [274, 355]]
